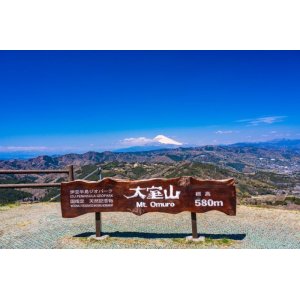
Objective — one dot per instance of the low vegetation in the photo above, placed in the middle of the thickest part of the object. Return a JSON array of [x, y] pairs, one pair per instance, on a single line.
[[252, 188]]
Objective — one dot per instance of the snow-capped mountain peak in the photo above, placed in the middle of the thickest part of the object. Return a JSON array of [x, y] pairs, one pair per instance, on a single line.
[[162, 139], [146, 144]]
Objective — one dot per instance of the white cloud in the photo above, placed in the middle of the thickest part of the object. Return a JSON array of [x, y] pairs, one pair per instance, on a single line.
[[22, 148], [33, 149], [142, 141], [224, 132], [139, 141], [263, 120]]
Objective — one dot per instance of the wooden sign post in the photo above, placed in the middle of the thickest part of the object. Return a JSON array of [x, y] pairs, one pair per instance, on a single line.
[[173, 196], [194, 225], [98, 221]]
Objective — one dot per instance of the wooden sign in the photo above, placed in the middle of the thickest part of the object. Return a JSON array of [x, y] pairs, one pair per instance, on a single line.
[[151, 195]]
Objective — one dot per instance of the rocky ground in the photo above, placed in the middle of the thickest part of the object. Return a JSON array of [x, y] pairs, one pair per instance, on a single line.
[[41, 226]]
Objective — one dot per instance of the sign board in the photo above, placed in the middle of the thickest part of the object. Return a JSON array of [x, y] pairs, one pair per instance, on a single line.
[[151, 195]]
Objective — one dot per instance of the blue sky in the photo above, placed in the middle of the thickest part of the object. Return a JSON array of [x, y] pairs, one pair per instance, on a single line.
[[75, 101]]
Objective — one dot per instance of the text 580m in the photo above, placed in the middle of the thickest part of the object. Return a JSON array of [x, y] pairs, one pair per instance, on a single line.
[[209, 202]]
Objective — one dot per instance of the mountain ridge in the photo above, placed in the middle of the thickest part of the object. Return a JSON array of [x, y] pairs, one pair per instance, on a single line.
[[242, 157]]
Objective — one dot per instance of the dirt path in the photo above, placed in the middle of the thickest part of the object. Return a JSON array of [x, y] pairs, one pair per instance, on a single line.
[[41, 226]]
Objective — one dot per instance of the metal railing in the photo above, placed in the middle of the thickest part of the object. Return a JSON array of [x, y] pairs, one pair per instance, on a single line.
[[69, 171]]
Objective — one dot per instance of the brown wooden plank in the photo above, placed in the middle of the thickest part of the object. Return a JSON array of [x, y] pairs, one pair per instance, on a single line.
[[28, 185], [173, 195], [33, 171]]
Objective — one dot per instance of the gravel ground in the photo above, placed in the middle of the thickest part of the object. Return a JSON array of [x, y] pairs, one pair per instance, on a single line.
[[41, 226]]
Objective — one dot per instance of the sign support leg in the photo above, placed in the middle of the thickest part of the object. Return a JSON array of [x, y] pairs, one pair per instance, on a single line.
[[98, 224], [98, 221], [194, 225]]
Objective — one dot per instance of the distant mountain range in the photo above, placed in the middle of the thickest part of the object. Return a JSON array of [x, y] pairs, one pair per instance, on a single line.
[[281, 156], [145, 148], [259, 168], [161, 142], [274, 144], [286, 144]]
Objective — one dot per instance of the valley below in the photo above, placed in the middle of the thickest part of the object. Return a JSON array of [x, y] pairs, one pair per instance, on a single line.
[[265, 174]]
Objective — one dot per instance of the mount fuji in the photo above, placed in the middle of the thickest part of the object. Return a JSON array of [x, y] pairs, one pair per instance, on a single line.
[[144, 144]]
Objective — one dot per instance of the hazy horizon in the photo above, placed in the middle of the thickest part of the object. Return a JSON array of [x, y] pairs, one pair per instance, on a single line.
[[28, 154]]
